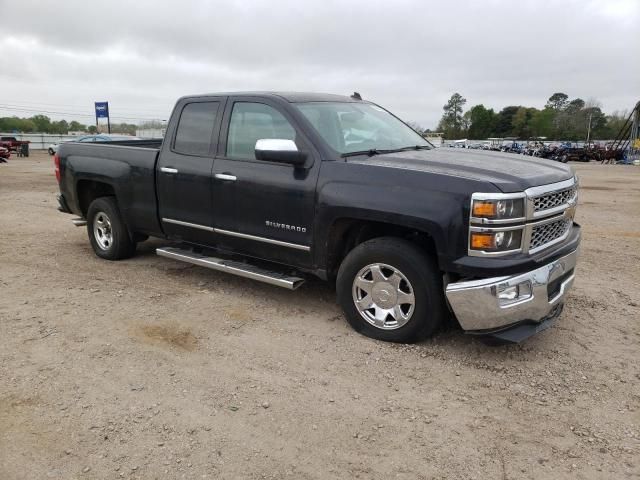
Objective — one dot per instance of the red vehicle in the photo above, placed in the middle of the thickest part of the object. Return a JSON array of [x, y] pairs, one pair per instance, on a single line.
[[4, 154], [11, 143]]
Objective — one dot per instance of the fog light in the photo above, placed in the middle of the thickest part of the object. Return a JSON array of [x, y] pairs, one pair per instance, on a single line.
[[508, 294]]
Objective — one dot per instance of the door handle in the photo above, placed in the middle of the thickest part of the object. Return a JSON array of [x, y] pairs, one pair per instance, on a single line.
[[168, 170], [225, 176]]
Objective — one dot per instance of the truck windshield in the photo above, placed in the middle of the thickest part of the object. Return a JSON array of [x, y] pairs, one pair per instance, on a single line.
[[359, 127]]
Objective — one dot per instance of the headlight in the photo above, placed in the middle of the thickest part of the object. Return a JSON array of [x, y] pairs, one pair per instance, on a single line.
[[512, 208], [496, 223], [496, 242]]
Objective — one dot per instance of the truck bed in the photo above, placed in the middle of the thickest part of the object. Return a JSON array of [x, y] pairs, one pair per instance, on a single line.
[[127, 166]]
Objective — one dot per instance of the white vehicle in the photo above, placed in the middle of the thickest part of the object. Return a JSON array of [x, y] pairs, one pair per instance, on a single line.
[[99, 137]]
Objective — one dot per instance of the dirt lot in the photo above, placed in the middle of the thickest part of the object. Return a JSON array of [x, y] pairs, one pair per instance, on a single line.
[[149, 368]]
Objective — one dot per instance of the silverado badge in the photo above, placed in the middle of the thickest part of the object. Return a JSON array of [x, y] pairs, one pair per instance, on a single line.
[[284, 226]]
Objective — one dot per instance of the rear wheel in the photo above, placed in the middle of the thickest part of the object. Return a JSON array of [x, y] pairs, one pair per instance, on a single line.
[[51, 152], [107, 231], [391, 290]]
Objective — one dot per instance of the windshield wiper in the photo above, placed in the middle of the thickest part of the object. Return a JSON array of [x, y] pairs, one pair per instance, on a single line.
[[414, 147], [374, 151], [371, 152]]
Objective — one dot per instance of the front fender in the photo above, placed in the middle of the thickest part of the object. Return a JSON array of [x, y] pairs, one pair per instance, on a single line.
[[429, 203]]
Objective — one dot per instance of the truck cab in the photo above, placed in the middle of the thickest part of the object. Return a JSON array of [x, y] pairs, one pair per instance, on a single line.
[[213, 188]]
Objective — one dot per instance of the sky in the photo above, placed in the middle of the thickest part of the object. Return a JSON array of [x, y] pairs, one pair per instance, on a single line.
[[406, 55]]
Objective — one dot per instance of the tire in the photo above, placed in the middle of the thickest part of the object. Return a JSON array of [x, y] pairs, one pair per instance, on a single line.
[[418, 275], [51, 152], [107, 231]]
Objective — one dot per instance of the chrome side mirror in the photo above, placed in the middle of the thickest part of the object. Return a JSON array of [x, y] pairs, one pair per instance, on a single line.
[[279, 150]]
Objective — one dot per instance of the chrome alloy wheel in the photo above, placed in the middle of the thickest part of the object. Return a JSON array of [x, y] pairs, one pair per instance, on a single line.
[[383, 296], [102, 230]]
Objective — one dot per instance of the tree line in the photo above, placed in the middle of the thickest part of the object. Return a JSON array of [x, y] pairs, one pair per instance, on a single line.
[[43, 124], [560, 119]]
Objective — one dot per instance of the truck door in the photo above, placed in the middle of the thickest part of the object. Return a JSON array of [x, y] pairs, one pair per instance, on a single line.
[[184, 170], [263, 209]]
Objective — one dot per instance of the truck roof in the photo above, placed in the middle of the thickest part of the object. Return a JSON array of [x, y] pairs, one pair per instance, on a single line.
[[293, 97]]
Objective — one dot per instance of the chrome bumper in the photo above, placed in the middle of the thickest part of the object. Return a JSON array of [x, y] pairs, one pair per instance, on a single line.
[[494, 303]]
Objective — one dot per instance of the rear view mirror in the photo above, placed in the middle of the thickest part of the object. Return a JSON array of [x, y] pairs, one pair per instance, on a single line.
[[279, 150]]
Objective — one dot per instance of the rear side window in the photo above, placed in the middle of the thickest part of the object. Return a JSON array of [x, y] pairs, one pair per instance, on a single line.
[[195, 128], [251, 122]]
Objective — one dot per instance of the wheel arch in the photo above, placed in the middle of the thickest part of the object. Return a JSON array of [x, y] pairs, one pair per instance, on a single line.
[[345, 233], [88, 190]]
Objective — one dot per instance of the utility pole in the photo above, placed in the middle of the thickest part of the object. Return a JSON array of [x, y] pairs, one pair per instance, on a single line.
[[589, 129]]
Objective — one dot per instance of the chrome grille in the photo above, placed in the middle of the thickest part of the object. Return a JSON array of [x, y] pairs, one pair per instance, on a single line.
[[548, 232], [554, 199]]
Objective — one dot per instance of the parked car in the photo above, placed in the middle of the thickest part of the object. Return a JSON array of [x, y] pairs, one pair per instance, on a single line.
[[512, 147], [102, 137], [11, 143], [266, 186], [4, 154]]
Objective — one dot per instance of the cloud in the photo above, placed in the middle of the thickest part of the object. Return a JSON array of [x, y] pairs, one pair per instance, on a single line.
[[406, 55]]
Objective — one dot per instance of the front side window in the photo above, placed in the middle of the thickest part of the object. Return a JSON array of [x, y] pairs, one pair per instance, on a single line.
[[251, 122], [354, 127], [195, 128]]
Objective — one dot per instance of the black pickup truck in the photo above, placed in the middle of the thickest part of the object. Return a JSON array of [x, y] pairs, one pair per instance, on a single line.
[[275, 186]]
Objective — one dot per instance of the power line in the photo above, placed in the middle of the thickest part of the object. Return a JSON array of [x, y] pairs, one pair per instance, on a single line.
[[27, 104], [75, 114], [91, 115]]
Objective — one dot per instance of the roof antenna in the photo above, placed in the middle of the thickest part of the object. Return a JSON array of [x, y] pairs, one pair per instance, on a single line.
[[356, 96]]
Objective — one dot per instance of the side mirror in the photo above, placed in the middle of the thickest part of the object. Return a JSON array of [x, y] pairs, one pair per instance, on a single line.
[[280, 150]]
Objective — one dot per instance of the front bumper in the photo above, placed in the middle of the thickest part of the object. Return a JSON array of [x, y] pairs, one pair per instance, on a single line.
[[492, 304]]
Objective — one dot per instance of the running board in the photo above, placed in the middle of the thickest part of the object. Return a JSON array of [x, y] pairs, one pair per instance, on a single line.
[[237, 268], [79, 222]]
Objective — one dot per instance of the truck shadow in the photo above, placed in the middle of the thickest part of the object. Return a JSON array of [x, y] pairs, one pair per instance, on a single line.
[[319, 296]]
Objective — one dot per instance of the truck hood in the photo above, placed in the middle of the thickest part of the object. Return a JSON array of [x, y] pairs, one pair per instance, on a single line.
[[507, 171]]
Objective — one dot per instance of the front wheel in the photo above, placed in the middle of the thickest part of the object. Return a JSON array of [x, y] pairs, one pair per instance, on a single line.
[[391, 290], [107, 231], [51, 152]]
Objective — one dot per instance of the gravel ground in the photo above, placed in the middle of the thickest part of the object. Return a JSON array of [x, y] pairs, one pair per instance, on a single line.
[[149, 368]]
